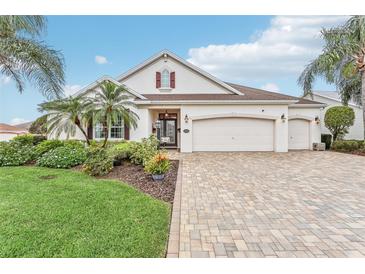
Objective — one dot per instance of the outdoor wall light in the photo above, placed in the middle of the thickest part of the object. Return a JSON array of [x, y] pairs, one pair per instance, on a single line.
[[186, 118], [317, 120], [283, 118]]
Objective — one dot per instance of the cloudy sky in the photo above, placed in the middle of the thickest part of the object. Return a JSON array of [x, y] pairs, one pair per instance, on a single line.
[[260, 51]]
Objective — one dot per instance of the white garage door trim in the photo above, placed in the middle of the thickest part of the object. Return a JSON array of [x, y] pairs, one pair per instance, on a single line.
[[298, 134], [233, 133]]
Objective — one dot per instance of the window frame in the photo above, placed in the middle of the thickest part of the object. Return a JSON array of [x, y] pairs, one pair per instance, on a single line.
[[121, 126], [167, 78]]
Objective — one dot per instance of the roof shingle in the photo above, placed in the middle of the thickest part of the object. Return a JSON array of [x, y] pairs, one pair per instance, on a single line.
[[248, 94]]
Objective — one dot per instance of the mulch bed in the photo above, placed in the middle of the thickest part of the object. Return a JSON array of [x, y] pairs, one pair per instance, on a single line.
[[134, 175]]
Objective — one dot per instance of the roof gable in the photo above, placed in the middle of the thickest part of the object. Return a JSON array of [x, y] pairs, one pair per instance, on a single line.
[[330, 95], [93, 85], [169, 55]]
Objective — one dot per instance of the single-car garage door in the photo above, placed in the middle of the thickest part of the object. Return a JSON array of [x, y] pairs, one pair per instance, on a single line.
[[233, 134], [298, 134]]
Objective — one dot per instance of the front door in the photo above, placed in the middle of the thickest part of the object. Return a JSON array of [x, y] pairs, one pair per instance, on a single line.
[[168, 129]]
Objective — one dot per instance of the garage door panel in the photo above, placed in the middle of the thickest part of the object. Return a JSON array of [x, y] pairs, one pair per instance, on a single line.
[[233, 134], [298, 131]]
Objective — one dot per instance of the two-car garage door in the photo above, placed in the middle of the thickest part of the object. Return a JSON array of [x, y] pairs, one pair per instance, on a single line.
[[246, 134], [233, 134]]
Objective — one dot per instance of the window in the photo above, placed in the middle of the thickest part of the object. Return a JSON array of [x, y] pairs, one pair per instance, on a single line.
[[99, 130], [116, 130], [165, 79]]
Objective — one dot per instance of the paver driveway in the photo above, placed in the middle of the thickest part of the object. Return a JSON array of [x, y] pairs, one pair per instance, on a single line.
[[296, 204]]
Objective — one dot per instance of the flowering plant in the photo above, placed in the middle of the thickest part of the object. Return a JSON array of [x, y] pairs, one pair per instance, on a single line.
[[158, 164]]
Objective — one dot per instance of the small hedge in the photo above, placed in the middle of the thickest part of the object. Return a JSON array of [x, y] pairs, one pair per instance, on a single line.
[[99, 161], [46, 146], [348, 145], [14, 153], [29, 139], [62, 157]]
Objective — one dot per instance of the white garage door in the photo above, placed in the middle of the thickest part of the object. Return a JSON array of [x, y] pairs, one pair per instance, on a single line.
[[298, 134], [233, 134]]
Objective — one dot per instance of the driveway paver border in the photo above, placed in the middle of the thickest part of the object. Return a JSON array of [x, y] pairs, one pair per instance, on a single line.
[[174, 235]]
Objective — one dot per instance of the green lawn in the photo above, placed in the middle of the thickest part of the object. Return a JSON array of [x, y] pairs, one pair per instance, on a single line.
[[75, 215]]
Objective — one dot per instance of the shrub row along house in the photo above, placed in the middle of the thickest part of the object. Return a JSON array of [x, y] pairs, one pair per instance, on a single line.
[[191, 110]]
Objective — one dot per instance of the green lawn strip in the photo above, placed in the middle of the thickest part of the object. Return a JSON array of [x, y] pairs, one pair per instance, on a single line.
[[75, 215]]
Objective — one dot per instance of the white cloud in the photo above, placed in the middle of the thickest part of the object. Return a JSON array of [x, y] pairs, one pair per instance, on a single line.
[[4, 80], [71, 89], [271, 87], [101, 59], [16, 121], [283, 49]]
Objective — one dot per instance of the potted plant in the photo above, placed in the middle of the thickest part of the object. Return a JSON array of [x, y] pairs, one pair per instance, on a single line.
[[158, 165]]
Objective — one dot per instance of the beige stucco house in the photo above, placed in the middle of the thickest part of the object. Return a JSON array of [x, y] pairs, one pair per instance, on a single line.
[[189, 109]]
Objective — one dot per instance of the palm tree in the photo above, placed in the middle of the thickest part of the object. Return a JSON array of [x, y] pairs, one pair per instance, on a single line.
[[22, 57], [65, 115], [111, 103], [342, 62]]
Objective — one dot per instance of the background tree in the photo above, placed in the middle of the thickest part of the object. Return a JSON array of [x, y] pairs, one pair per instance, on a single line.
[[342, 62], [338, 120], [23, 57], [39, 126], [65, 115], [111, 103]]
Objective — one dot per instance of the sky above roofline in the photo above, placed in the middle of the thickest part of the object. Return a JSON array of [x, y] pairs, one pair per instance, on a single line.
[[265, 52]]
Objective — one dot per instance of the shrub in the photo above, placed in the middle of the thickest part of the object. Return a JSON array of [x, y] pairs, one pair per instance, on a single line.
[[24, 139], [99, 161], [327, 139], [29, 139], [15, 153], [46, 146], [62, 157], [141, 153], [338, 120], [74, 144], [346, 146], [158, 164], [120, 151]]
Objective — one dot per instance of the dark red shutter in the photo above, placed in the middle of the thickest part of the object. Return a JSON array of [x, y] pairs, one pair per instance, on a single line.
[[90, 130], [172, 79], [158, 79]]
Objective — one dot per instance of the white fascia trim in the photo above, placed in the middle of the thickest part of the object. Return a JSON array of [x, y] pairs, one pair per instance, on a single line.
[[217, 102], [107, 78], [308, 106], [184, 62], [334, 99]]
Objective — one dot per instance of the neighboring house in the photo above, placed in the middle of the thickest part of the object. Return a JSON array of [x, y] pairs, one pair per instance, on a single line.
[[24, 126], [331, 99], [189, 109], [8, 132]]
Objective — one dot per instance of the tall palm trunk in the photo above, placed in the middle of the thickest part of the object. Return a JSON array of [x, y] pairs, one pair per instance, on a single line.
[[85, 134], [106, 133], [78, 124], [363, 99]]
